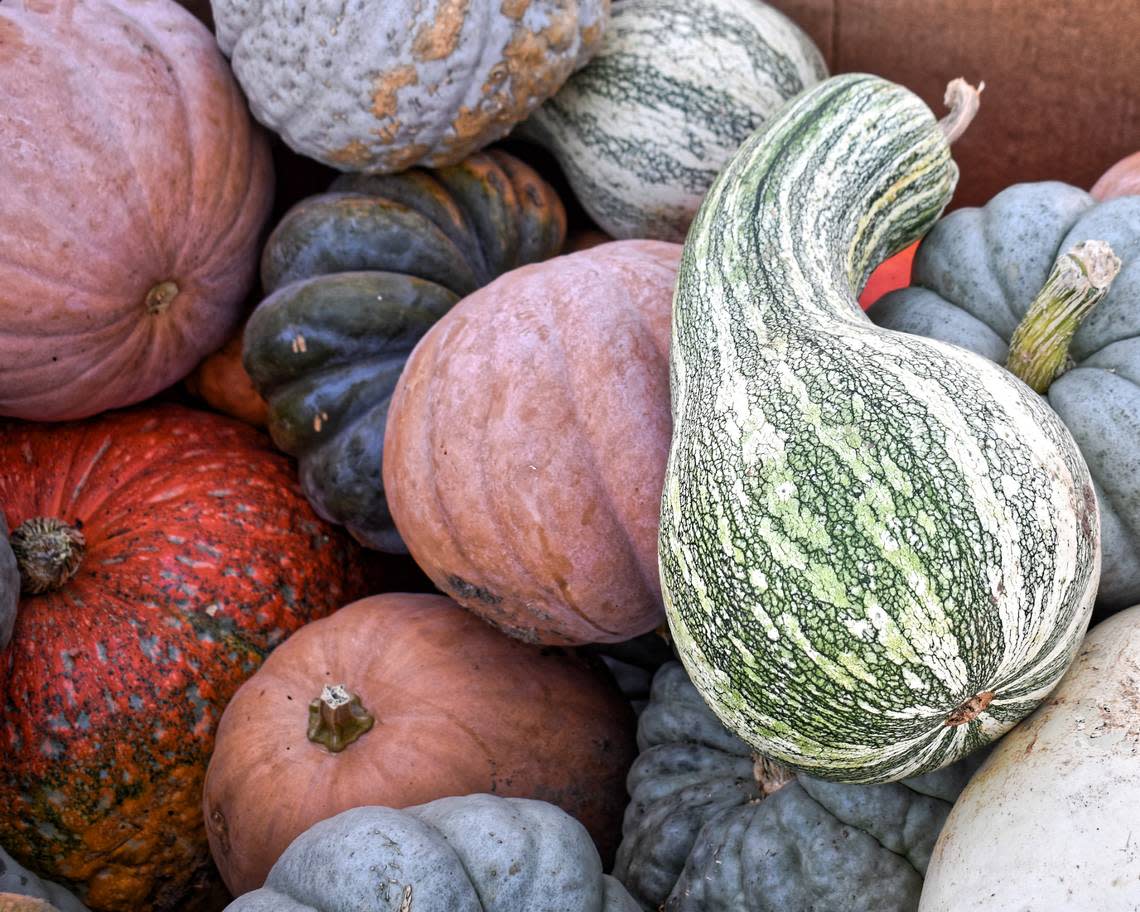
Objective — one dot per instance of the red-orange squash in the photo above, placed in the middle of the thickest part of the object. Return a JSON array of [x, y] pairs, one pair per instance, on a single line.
[[398, 700], [163, 553], [526, 445], [134, 191], [222, 383], [1122, 179]]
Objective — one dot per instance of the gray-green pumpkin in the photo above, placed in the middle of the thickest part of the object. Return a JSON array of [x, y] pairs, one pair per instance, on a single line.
[[711, 827], [643, 129], [477, 853], [976, 275], [35, 895], [354, 278], [9, 585]]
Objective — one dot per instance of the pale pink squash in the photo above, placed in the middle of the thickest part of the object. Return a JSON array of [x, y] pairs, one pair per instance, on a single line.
[[134, 187], [526, 445]]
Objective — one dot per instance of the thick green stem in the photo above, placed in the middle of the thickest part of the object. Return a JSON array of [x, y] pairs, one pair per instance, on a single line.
[[1040, 344], [48, 553], [337, 718]]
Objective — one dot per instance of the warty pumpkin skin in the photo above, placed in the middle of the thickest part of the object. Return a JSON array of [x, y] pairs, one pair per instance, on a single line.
[[473, 853], [642, 130], [447, 706], [380, 87], [22, 891], [526, 445], [194, 555], [355, 277], [976, 275], [105, 303], [712, 827]]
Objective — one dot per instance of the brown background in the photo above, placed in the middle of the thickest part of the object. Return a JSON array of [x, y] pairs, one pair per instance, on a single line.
[[1062, 97]]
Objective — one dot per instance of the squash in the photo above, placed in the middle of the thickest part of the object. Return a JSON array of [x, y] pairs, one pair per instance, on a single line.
[[1122, 179], [526, 446], [458, 854], [400, 699], [890, 275], [642, 130], [222, 382], [381, 87], [355, 277], [1048, 816], [977, 275], [163, 553], [633, 664], [9, 585], [105, 303], [878, 553], [22, 891], [707, 815]]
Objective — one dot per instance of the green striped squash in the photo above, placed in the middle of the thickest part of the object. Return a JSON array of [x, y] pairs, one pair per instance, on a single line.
[[643, 129], [878, 552]]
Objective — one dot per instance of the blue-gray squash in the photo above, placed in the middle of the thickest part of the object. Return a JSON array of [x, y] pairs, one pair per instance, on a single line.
[[22, 891], [476, 853], [976, 275], [714, 828], [9, 585]]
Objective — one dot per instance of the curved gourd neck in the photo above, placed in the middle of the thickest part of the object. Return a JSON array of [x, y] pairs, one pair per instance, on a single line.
[[842, 177]]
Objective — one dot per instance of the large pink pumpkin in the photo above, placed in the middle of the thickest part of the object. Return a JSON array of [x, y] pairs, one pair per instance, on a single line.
[[526, 444], [134, 189]]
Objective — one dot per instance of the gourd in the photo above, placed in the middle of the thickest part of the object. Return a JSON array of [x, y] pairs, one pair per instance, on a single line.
[[642, 130], [1046, 817], [982, 278], [354, 278], [1122, 179], [400, 699], [877, 552], [163, 553], [9, 585], [130, 240], [890, 275], [222, 382], [382, 87], [22, 891], [709, 820], [474, 853], [526, 445]]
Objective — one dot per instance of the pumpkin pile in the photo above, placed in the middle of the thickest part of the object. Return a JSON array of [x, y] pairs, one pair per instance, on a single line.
[[446, 464]]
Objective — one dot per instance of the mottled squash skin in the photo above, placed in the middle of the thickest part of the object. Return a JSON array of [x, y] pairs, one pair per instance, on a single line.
[[135, 186], [457, 708], [526, 445], [381, 87], [201, 555]]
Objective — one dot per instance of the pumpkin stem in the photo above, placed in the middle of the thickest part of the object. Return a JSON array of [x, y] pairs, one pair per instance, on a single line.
[[337, 718], [770, 775], [1078, 280], [48, 553], [970, 710], [160, 297], [963, 101]]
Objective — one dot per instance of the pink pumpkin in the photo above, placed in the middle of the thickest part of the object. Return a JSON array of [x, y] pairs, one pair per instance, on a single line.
[[526, 445], [1122, 179], [134, 191]]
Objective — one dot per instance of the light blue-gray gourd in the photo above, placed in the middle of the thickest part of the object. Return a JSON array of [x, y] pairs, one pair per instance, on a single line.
[[9, 585], [976, 275], [19, 881], [476, 853], [713, 828]]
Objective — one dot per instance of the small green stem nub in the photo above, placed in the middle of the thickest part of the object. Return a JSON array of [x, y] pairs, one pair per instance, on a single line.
[[48, 553], [1040, 344], [337, 718]]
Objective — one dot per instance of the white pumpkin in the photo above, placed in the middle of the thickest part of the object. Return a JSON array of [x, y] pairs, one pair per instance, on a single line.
[[1051, 821], [382, 85]]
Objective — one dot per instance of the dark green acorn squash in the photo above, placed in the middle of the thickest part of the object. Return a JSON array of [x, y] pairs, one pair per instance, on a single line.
[[354, 278], [9, 585], [476, 853], [975, 276], [711, 827]]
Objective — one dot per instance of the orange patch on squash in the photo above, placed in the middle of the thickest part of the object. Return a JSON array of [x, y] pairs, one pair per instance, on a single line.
[[514, 9], [355, 153], [439, 39], [386, 86]]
